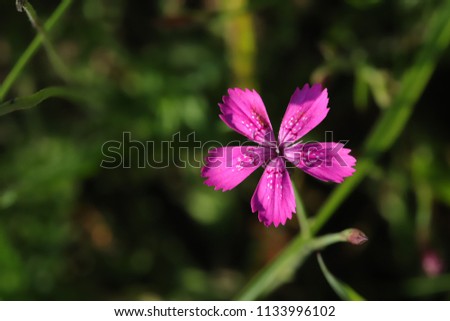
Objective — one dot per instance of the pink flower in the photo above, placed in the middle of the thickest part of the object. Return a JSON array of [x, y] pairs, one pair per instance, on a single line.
[[244, 111], [432, 263]]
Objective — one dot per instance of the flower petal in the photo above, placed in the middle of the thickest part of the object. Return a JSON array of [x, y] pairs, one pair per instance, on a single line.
[[226, 167], [274, 197], [328, 162], [244, 111], [306, 109]]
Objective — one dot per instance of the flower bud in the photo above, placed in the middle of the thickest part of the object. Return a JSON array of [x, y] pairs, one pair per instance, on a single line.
[[432, 263], [355, 236]]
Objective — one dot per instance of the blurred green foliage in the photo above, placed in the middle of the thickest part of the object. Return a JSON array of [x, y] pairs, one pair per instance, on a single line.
[[70, 229]]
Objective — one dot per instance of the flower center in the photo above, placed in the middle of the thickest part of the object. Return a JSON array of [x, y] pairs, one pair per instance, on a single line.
[[274, 150]]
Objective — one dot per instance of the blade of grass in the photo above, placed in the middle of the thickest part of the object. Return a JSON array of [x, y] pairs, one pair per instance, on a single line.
[[38, 97], [343, 290], [55, 59], [426, 286], [32, 48], [383, 135]]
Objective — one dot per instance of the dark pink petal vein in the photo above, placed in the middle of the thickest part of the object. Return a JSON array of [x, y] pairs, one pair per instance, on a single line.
[[274, 197], [244, 111], [329, 162], [226, 167], [306, 109]]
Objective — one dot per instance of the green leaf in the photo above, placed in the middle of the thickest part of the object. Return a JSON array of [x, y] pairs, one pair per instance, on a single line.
[[425, 286], [38, 97], [343, 290]]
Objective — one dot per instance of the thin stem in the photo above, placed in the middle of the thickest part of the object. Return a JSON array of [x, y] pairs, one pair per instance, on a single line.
[[340, 194], [38, 97], [283, 267], [20, 4], [301, 215], [32, 48], [53, 56]]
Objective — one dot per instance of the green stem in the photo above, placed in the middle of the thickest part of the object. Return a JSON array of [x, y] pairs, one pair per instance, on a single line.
[[53, 56], [38, 97], [340, 194], [32, 48], [283, 267], [343, 290], [301, 215]]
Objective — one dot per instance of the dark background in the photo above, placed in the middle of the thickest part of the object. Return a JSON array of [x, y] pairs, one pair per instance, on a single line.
[[71, 230]]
